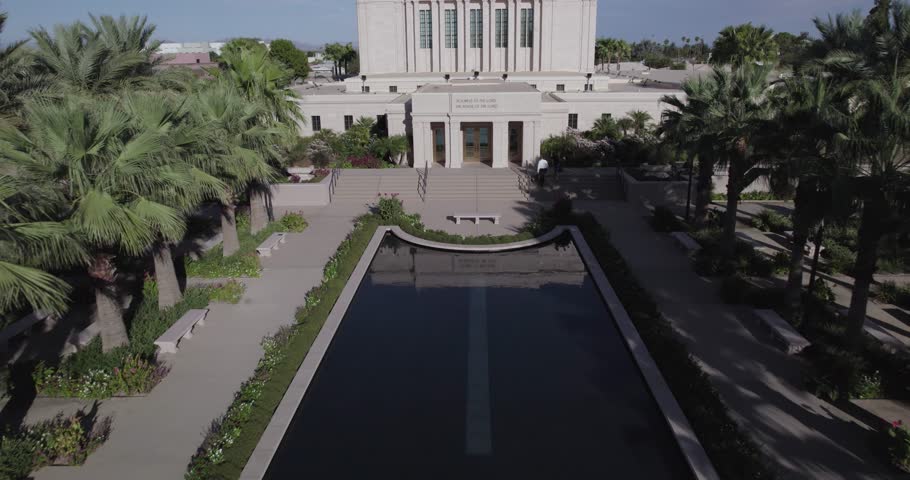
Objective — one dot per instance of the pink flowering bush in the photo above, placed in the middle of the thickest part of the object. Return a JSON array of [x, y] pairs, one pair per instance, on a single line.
[[898, 438]]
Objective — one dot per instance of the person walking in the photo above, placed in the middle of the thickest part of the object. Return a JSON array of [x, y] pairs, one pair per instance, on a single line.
[[542, 167]]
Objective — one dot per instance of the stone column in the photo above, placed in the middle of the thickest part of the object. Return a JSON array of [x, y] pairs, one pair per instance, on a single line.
[[415, 22], [592, 19], [462, 20], [515, 45], [438, 35], [546, 33], [538, 23], [527, 142], [487, 55], [535, 141], [453, 144], [409, 36], [363, 39], [420, 138], [500, 144]]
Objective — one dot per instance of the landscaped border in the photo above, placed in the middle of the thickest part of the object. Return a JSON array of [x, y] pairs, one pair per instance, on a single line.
[[690, 447]]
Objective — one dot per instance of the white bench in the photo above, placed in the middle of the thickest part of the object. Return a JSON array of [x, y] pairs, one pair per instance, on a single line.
[[782, 331], [476, 216], [168, 342], [23, 325], [79, 340], [685, 242], [271, 243]]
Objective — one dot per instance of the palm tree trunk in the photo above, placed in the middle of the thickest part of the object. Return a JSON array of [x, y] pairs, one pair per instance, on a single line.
[[259, 215], [794, 291], [109, 317], [231, 242], [169, 293], [728, 244], [870, 235], [703, 191]]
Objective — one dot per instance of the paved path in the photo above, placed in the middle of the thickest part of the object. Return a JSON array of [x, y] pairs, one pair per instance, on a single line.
[[154, 437], [805, 436]]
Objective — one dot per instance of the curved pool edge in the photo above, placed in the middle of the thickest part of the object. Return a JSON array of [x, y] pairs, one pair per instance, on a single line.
[[497, 248], [693, 452]]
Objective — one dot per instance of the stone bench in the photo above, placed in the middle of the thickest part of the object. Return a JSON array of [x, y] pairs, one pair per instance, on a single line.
[[271, 243], [23, 326], [686, 242], [476, 217], [167, 343], [79, 340], [782, 331]]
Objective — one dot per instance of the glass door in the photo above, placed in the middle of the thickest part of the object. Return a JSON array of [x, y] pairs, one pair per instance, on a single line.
[[439, 145]]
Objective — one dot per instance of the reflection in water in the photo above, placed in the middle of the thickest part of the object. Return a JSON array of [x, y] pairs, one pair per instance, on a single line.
[[402, 264], [482, 367]]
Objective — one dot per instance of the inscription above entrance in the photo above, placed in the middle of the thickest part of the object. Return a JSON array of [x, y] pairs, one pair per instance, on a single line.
[[475, 104]]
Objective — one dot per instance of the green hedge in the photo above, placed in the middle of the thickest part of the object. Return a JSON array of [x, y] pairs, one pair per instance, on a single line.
[[732, 452]]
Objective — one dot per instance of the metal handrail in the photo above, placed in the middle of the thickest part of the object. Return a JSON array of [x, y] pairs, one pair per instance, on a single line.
[[423, 181], [336, 173], [622, 182]]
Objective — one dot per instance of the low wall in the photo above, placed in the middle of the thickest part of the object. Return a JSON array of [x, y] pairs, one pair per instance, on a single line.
[[301, 194], [657, 193]]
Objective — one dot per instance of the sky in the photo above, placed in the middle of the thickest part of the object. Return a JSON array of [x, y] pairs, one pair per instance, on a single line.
[[321, 21]]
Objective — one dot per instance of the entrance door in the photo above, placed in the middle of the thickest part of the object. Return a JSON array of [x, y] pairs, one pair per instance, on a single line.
[[439, 144], [515, 142], [477, 143]]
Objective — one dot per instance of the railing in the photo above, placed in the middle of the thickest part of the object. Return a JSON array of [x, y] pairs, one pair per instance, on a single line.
[[336, 173], [423, 180], [525, 180]]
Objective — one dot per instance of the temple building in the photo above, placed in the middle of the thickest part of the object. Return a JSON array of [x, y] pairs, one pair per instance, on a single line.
[[476, 82]]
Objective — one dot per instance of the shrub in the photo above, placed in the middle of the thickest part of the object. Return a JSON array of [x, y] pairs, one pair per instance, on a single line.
[[293, 222], [389, 207], [890, 292], [772, 222], [230, 292], [837, 373], [840, 258], [664, 220], [748, 196], [898, 442], [131, 370], [61, 441], [781, 262], [365, 161], [823, 291], [243, 264]]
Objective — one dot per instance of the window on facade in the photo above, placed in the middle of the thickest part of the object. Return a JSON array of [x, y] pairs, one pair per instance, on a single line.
[[573, 120], [606, 115], [560, 87], [502, 28], [426, 29], [476, 28], [365, 89], [316, 122], [393, 89], [589, 88], [527, 27], [348, 122], [451, 29], [534, 86]]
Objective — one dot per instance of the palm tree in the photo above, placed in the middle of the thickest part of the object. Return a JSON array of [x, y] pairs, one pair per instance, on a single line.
[[601, 51], [393, 148], [625, 124], [868, 57], [640, 120], [685, 125], [115, 181], [745, 44], [31, 241], [737, 115], [243, 146], [18, 77], [116, 55]]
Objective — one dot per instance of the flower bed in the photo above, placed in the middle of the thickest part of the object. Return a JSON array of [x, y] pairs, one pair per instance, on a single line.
[[61, 441], [131, 370], [244, 263], [229, 445]]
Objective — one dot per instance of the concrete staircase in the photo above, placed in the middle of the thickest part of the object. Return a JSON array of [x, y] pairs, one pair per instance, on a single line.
[[484, 184]]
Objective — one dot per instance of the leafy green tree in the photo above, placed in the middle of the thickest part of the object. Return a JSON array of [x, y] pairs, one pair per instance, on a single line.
[[32, 242], [745, 44], [242, 148], [19, 78], [604, 127], [296, 60], [115, 179], [235, 45], [110, 56], [794, 49]]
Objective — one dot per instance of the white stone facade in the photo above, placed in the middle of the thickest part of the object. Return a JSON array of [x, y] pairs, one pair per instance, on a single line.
[[413, 36], [491, 104]]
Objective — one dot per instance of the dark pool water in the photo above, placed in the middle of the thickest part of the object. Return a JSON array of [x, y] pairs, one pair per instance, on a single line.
[[478, 366]]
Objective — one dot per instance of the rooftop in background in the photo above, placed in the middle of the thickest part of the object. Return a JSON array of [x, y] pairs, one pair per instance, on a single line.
[[190, 47], [478, 86]]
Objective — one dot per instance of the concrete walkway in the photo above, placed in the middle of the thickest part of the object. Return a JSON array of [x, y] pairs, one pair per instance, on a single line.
[[805, 436], [154, 437]]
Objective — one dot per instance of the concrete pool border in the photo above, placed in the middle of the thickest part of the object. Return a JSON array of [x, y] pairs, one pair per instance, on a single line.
[[691, 449]]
